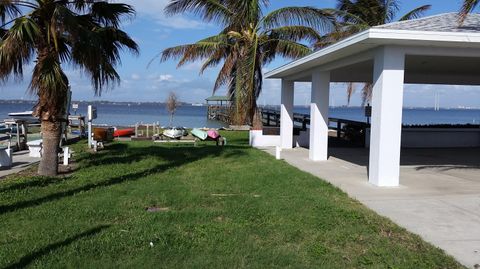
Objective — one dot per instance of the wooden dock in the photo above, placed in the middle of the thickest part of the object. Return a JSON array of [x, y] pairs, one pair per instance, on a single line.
[[344, 128], [271, 118], [218, 113], [218, 108]]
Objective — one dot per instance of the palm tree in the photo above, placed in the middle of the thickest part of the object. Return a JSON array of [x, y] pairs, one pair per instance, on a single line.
[[49, 33], [247, 42], [467, 7], [355, 16]]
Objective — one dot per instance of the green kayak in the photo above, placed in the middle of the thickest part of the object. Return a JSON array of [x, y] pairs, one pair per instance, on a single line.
[[202, 135]]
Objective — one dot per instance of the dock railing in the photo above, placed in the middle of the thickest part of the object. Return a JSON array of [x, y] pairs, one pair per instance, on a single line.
[[271, 118]]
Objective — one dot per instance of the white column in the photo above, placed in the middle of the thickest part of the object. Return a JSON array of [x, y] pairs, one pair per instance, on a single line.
[[319, 116], [387, 102], [286, 115]]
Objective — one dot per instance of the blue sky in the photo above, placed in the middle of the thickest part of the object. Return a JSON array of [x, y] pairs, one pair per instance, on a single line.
[[154, 31]]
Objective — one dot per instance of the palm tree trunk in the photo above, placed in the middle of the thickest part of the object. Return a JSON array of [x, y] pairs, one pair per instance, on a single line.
[[51, 139], [257, 122]]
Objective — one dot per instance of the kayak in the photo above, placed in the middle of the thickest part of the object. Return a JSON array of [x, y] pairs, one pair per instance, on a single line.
[[175, 132], [124, 132], [199, 134], [213, 134]]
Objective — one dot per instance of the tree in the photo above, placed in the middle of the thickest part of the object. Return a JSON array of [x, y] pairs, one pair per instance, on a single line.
[[49, 33], [172, 105], [247, 42], [354, 16]]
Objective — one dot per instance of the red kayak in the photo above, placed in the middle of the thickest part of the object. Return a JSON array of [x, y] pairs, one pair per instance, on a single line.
[[124, 132]]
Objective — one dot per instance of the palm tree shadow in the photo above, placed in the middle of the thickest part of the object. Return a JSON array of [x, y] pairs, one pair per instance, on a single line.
[[177, 157], [124, 154], [36, 182], [28, 259]]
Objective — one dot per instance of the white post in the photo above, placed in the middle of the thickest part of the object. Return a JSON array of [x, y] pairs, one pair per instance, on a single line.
[[319, 116], [66, 155], [89, 134], [278, 152], [386, 127], [286, 114]]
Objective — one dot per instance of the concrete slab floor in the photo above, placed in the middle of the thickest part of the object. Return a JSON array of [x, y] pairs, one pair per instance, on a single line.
[[21, 161], [439, 196]]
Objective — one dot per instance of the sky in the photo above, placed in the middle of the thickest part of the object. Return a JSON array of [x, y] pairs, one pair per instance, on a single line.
[[154, 31]]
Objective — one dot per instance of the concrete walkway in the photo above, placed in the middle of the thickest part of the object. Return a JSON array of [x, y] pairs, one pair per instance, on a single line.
[[21, 161], [439, 196]]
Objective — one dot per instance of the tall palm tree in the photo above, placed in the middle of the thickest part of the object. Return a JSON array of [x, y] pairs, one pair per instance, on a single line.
[[49, 33], [247, 42], [467, 7], [355, 16]]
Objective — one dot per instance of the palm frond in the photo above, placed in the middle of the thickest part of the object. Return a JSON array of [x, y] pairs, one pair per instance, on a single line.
[[8, 10], [367, 93], [17, 47], [247, 12], [288, 49], [347, 18], [111, 14], [467, 7], [208, 10], [214, 60], [350, 91], [226, 73], [318, 19], [97, 53], [390, 9], [191, 52], [295, 33]]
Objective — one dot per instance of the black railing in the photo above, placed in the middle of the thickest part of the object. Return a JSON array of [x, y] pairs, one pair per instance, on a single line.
[[344, 128]]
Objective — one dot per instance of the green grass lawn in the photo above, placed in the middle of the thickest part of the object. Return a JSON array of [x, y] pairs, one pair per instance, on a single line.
[[230, 207]]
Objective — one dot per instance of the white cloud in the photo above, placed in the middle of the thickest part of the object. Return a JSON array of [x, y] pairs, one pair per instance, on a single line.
[[154, 9], [136, 77], [166, 77]]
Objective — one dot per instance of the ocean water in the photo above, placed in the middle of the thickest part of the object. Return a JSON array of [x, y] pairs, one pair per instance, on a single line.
[[194, 116], [129, 115]]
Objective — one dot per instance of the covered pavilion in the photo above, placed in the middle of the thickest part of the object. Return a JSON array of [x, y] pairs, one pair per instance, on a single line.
[[431, 50]]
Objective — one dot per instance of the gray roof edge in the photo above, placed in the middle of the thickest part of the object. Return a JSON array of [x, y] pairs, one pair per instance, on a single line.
[[414, 20]]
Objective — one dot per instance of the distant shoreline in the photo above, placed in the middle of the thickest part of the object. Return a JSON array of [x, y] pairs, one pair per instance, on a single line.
[[102, 102]]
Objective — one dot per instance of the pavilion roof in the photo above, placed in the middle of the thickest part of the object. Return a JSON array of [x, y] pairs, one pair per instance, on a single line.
[[446, 22], [218, 98]]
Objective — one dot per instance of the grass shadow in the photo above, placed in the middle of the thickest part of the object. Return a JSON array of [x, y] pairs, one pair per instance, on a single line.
[[29, 258], [177, 157]]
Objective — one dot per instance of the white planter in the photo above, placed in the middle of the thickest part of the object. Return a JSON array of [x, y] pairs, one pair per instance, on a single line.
[[35, 148], [257, 139], [6, 157]]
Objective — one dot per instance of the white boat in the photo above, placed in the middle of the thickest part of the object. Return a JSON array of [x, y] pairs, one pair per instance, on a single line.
[[21, 114], [175, 132]]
